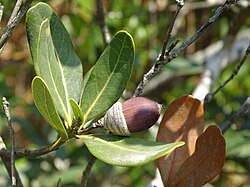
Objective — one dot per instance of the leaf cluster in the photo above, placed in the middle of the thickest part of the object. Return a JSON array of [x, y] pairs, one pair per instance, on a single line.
[[69, 101]]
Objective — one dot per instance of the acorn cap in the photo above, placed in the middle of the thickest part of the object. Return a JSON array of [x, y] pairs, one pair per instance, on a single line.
[[140, 113]]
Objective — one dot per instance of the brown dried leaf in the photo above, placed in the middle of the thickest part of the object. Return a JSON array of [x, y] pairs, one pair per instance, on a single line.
[[182, 121], [206, 162]]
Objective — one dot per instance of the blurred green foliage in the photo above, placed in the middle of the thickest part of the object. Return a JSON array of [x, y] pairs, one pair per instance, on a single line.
[[146, 21]]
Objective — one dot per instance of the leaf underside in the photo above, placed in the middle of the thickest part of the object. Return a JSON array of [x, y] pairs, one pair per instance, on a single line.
[[54, 58], [126, 151], [182, 121], [45, 105], [206, 162]]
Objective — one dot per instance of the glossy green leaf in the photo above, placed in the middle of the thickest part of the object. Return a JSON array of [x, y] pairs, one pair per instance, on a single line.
[[46, 107], [54, 57], [76, 110], [126, 151], [109, 76]]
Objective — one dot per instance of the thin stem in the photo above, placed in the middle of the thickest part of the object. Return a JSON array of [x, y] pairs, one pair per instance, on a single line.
[[101, 21], [7, 163], [1, 13], [12, 140], [172, 46], [16, 16], [235, 72], [159, 64], [15, 11], [225, 7], [35, 153], [87, 170], [169, 31], [243, 109], [210, 96]]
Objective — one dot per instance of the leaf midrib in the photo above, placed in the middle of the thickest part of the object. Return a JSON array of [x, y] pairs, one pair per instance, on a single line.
[[46, 98], [105, 85], [65, 90], [50, 73], [126, 149]]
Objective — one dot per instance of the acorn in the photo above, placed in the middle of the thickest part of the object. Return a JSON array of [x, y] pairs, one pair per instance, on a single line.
[[134, 115]]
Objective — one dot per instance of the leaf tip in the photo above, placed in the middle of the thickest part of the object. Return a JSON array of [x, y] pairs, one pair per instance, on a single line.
[[127, 34]]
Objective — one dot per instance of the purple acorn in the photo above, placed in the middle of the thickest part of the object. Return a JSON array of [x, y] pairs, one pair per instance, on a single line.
[[134, 115]]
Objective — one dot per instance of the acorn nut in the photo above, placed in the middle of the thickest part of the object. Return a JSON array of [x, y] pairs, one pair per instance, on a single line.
[[134, 115]]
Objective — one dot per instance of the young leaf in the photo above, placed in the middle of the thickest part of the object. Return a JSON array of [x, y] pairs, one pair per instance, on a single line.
[[206, 162], [182, 121], [46, 107], [126, 151], [54, 57], [109, 76], [76, 110]]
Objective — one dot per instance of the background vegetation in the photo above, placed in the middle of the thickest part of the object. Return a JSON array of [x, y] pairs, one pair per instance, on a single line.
[[146, 21]]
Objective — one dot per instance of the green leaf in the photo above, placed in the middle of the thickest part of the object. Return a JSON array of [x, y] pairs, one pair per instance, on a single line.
[[109, 76], [46, 107], [51, 72], [126, 151], [76, 110], [54, 57]]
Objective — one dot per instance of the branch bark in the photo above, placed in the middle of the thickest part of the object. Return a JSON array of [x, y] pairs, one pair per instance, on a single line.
[[235, 116], [162, 57], [34, 153], [101, 21], [12, 141], [7, 163], [17, 14]]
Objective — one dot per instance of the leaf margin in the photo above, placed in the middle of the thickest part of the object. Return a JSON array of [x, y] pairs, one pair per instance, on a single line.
[[92, 106], [61, 130], [125, 162]]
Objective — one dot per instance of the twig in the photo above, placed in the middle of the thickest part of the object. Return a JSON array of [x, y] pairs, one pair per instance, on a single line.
[[157, 66], [86, 172], [101, 21], [16, 16], [7, 163], [210, 96], [169, 31], [235, 72], [154, 70], [172, 46], [15, 11], [1, 13], [223, 53], [12, 141], [34, 153], [8, 156], [236, 115], [225, 7]]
